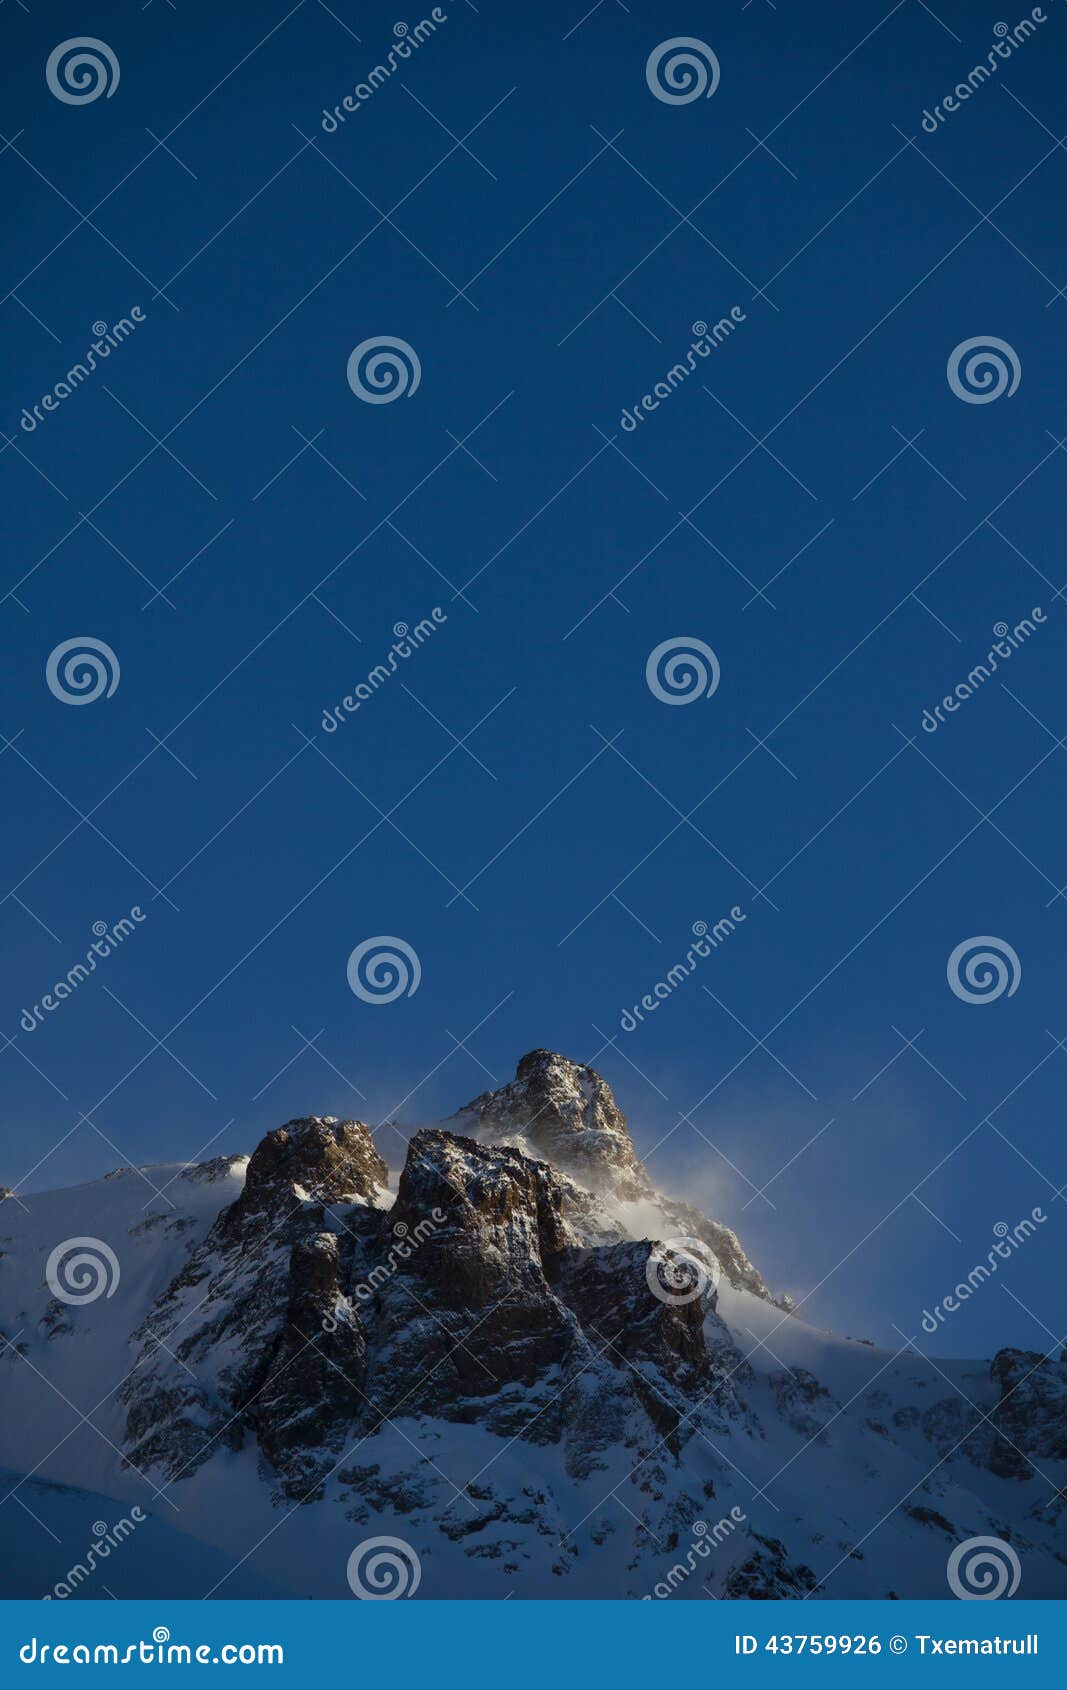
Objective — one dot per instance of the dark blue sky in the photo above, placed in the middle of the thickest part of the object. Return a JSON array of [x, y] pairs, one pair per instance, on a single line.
[[517, 206]]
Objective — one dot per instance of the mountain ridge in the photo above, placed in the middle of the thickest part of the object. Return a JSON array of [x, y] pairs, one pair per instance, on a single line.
[[489, 1364]]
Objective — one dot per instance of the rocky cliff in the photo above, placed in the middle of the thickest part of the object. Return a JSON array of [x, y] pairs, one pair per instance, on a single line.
[[486, 1358]]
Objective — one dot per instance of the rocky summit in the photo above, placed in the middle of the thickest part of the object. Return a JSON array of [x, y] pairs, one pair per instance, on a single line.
[[513, 1354], [565, 1114]]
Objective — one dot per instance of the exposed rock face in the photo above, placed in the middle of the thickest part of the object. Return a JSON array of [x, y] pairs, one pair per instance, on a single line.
[[497, 1368], [316, 1160], [313, 1390], [805, 1403], [683, 1221], [608, 1290], [498, 1219], [217, 1345], [1026, 1428], [566, 1114], [1032, 1413], [496, 1315], [768, 1575], [471, 1300], [470, 1314]]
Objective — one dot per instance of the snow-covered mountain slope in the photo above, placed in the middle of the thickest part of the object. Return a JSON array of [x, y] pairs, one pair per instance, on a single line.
[[74, 1543], [543, 1376]]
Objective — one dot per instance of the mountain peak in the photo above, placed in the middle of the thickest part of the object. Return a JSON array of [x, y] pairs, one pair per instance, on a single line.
[[536, 1060], [566, 1114], [273, 1342], [313, 1157]]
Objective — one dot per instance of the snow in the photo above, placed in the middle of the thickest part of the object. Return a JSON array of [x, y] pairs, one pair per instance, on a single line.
[[489, 1516], [59, 1551]]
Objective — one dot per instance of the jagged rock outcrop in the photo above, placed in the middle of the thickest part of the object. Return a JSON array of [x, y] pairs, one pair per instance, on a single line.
[[495, 1314], [471, 1300], [316, 1160], [497, 1219], [499, 1368], [1026, 1427], [313, 1390], [215, 1347], [805, 1403], [566, 1113], [768, 1575], [468, 1317], [1031, 1415]]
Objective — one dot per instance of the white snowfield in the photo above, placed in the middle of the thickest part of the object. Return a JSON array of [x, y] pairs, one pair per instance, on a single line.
[[832, 1469]]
